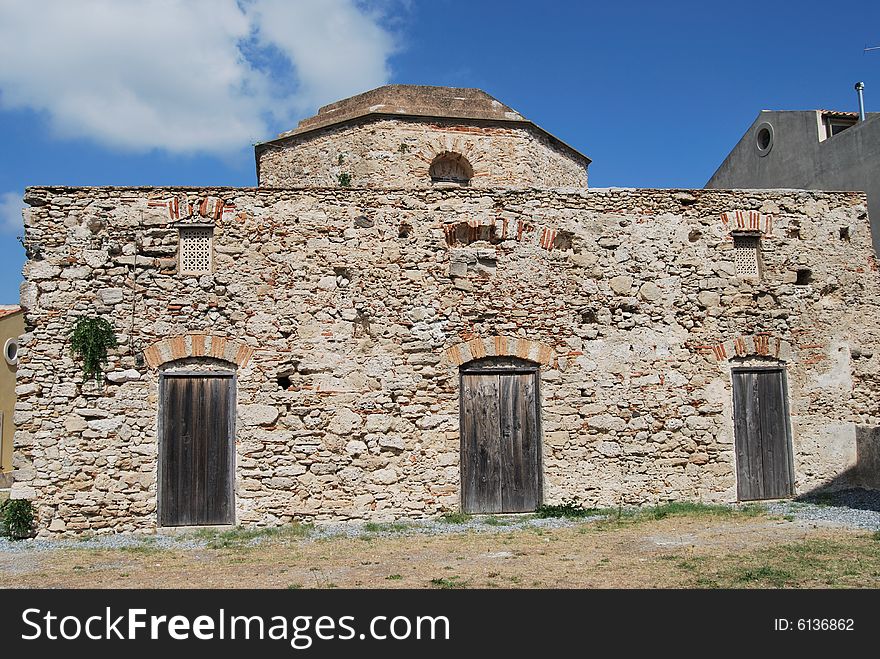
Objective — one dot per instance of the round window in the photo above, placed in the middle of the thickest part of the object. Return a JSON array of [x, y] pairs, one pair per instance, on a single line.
[[764, 138], [10, 351]]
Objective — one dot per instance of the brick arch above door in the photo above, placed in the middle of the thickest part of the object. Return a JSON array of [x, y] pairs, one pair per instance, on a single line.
[[500, 346], [752, 345], [198, 345]]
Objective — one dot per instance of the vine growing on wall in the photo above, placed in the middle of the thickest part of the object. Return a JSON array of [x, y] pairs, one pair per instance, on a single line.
[[90, 338]]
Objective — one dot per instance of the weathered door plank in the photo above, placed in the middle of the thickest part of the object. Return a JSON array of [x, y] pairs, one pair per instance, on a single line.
[[774, 436], [513, 471], [196, 466], [500, 461], [762, 442], [482, 442], [531, 431]]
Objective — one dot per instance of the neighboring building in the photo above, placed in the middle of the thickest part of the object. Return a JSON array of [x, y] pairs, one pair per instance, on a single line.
[[812, 150], [430, 342], [11, 327]]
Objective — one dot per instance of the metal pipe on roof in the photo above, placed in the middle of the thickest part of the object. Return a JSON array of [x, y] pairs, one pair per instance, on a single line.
[[859, 87]]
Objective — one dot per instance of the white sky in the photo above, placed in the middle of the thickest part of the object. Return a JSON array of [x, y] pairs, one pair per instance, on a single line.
[[174, 75]]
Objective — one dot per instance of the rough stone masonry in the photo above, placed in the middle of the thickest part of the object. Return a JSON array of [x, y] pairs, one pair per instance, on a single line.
[[346, 312]]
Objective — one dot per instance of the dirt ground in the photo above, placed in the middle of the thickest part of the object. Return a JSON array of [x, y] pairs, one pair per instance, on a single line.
[[674, 552]]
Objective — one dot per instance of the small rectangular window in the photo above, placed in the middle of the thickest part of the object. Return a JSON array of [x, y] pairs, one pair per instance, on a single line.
[[196, 250], [836, 126], [746, 255]]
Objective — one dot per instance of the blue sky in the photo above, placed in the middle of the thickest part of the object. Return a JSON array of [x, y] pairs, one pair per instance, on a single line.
[[168, 92]]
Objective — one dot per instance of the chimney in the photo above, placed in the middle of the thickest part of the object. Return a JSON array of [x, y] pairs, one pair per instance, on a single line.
[[859, 87]]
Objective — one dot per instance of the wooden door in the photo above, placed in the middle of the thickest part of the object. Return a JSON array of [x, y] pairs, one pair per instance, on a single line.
[[761, 429], [196, 449], [500, 430]]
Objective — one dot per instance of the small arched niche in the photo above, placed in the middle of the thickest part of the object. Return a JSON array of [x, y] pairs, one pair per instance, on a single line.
[[451, 167]]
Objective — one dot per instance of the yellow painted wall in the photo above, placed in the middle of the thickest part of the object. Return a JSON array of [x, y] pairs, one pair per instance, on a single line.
[[10, 326]]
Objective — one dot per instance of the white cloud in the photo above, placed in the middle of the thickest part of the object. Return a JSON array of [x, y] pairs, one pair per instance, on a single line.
[[336, 49], [185, 75], [11, 222]]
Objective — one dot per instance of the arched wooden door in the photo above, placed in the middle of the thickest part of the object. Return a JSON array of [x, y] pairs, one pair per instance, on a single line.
[[764, 465], [500, 436], [196, 449]]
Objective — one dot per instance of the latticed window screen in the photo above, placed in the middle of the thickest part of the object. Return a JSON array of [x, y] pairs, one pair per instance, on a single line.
[[195, 249], [746, 255]]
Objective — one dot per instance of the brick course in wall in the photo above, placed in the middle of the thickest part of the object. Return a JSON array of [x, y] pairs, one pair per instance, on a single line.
[[345, 314]]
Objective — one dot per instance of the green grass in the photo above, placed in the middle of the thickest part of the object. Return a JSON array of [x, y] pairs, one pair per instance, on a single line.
[[145, 549], [693, 509], [763, 575], [394, 577], [491, 520], [449, 583], [574, 510], [615, 517], [690, 564], [570, 509], [240, 537], [387, 527], [821, 563], [455, 518]]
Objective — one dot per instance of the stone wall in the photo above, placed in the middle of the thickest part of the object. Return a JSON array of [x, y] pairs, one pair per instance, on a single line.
[[395, 153], [346, 312]]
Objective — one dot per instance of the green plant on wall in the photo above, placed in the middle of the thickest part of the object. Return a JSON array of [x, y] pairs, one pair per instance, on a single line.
[[90, 338], [16, 519], [344, 179]]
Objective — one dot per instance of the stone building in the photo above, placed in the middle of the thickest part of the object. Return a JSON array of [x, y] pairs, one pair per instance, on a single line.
[[443, 328]]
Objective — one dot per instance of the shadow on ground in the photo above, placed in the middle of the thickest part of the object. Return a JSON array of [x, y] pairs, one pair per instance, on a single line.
[[858, 498], [859, 486]]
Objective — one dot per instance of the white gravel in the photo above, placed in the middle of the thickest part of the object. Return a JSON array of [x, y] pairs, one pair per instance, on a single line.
[[855, 508], [354, 529]]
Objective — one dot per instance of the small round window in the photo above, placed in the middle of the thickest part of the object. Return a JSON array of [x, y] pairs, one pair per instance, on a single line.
[[10, 351], [764, 138]]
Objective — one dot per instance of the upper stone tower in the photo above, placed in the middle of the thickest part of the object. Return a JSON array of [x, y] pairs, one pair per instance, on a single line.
[[414, 136]]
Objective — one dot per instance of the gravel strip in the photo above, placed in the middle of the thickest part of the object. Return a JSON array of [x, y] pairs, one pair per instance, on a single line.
[[480, 524], [353, 529], [855, 508]]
